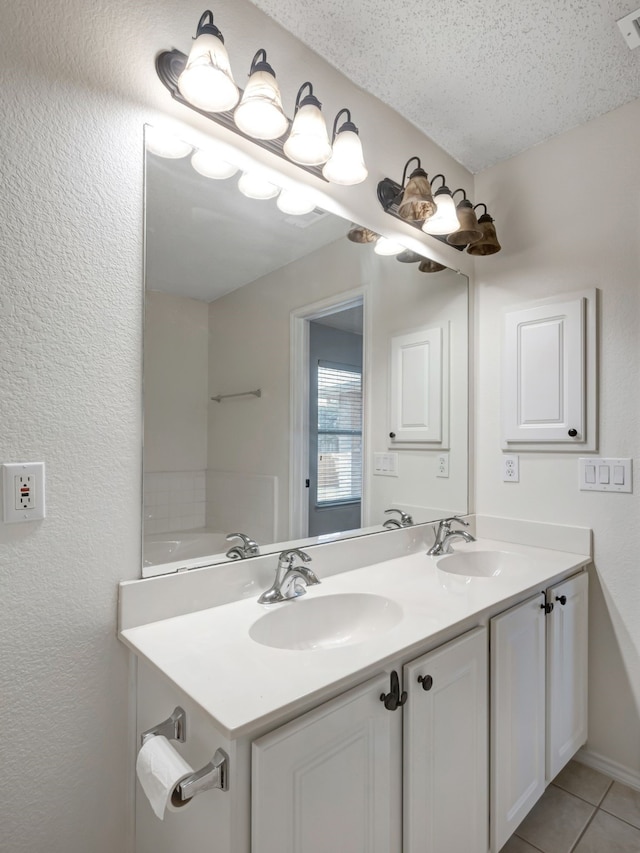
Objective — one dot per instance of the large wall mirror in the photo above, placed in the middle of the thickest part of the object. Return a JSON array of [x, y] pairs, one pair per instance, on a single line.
[[297, 385]]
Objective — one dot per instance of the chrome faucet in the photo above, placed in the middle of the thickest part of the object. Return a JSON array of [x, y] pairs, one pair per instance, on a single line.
[[247, 548], [445, 534], [290, 581], [405, 519]]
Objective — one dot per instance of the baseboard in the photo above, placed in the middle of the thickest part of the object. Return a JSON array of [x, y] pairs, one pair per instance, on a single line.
[[617, 772]]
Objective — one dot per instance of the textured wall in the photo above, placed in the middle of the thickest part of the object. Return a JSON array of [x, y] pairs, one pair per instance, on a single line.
[[568, 219], [77, 85]]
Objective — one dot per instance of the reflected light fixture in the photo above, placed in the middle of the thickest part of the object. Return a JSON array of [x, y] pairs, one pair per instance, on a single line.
[[207, 82], [409, 257], [295, 202], [469, 230], [165, 144], [487, 244], [308, 143], [385, 246], [211, 165], [417, 203], [359, 234], [429, 265], [346, 164], [445, 219], [259, 114], [254, 185]]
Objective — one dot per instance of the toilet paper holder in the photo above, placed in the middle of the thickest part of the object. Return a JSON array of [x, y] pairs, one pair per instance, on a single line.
[[173, 728]]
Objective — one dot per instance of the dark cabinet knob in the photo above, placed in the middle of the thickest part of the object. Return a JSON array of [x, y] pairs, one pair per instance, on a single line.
[[573, 433], [392, 435], [562, 599], [426, 681], [394, 698], [547, 607]]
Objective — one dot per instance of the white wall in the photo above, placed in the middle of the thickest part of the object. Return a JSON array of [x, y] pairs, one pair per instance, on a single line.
[[78, 83], [568, 218]]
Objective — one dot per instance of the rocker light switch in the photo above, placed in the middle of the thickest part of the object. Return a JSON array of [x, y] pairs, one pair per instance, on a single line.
[[605, 475]]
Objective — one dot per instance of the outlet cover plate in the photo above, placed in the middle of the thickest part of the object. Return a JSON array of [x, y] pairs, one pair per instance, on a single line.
[[511, 468], [22, 492]]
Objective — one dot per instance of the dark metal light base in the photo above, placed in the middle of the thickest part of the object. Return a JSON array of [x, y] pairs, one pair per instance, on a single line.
[[169, 66]]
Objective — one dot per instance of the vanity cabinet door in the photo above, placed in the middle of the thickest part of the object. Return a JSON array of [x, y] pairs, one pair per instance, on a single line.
[[566, 672], [445, 749], [517, 716], [331, 779]]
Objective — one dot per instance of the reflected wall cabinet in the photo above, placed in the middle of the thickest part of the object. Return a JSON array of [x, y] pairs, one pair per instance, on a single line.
[[548, 393]]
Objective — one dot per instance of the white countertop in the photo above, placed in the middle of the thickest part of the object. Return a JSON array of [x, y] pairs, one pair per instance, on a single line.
[[242, 685]]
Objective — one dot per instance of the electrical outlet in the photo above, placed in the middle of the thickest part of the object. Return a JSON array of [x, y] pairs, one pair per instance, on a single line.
[[443, 465], [511, 469], [23, 491]]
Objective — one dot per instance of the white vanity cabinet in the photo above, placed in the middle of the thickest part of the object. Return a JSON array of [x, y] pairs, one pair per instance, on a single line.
[[538, 698], [339, 778]]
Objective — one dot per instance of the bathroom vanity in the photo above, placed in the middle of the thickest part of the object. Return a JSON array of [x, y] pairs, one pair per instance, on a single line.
[[402, 705]]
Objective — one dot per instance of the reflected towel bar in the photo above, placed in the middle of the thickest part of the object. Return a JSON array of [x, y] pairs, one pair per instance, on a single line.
[[257, 393]]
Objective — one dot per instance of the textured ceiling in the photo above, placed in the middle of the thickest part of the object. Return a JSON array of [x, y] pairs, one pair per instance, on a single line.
[[484, 80]]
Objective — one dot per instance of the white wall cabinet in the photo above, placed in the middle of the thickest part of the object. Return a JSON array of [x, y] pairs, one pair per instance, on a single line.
[[538, 699], [334, 778], [548, 393]]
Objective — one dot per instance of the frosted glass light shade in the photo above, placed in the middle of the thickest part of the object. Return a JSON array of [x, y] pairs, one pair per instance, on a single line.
[[346, 164], [308, 143], [165, 144], [385, 246], [206, 81], [295, 203], [445, 219], [253, 185], [211, 165], [259, 114]]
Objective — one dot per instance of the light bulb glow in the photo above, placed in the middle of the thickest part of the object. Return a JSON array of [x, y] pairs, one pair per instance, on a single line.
[[211, 165], [445, 219], [206, 81], [295, 203], [346, 164], [308, 143], [165, 144], [384, 246], [254, 185], [259, 113]]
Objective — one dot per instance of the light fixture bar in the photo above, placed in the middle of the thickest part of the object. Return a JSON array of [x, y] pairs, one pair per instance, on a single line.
[[169, 66]]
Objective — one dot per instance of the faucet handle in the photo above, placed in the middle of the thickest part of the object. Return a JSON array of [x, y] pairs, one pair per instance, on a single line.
[[289, 554]]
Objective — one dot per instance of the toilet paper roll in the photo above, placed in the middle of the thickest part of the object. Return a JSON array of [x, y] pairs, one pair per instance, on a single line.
[[160, 768]]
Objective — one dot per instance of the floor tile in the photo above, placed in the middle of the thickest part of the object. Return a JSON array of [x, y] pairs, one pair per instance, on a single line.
[[583, 781], [517, 845], [607, 834], [556, 821], [623, 802]]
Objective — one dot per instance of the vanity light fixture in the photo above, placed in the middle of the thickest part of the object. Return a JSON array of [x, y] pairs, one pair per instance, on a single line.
[[346, 164], [207, 82], [308, 143], [417, 202], [211, 165], [409, 257], [165, 144], [254, 185], [429, 265], [488, 244], [384, 246], [259, 114], [295, 203], [469, 230], [359, 234], [445, 219]]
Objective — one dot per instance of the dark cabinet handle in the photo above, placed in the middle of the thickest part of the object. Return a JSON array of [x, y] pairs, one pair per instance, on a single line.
[[562, 599], [573, 433], [547, 607], [394, 698], [392, 435], [426, 681]]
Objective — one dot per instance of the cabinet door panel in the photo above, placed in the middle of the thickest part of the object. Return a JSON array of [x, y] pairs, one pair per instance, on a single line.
[[331, 780], [517, 716], [445, 749], [566, 672]]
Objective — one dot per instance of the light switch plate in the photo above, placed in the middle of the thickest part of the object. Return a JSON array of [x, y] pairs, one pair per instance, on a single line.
[[385, 464], [22, 492], [605, 475]]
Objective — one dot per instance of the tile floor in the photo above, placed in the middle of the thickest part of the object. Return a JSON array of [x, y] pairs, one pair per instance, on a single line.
[[582, 811]]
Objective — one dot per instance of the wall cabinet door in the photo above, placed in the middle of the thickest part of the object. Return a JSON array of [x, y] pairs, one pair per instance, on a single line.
[[517, 716], [566, 672], [331, 779], [544, 387], [445, 749]]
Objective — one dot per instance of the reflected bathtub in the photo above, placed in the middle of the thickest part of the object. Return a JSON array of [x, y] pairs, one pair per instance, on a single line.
[[167, 552]]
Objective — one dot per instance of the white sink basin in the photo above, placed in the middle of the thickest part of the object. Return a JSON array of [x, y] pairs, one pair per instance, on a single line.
[[327, 622], [482, 564]]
